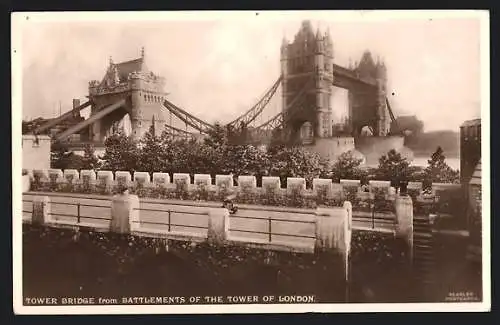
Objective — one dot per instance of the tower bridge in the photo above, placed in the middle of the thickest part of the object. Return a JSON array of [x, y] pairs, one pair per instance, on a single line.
[[130, 94]]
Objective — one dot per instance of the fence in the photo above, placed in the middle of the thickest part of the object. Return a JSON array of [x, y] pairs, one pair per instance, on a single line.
[[164, 218]]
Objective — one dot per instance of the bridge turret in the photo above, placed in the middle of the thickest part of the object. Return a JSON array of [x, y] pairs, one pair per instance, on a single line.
[[328, 43], [384, 121], [284, 70]]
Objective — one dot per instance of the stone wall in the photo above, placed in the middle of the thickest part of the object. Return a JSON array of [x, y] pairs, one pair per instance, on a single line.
[[325, 192], [126, 214], [374, 147], [36, 152], [331, 148]]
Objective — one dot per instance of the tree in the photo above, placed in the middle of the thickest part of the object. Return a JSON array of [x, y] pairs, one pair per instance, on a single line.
[[438, 170], [217, 136], [295, 162], [121, 153], [393, 167], [59, 155], [89, 160], [346, 167], [151, 152], [246, 160], [278, 142]]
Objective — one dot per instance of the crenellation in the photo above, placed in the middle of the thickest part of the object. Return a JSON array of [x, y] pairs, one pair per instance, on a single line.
[[142, 178], [182, 181], [104, 181], [161, 179], [271, 184], [224, 181], [202, 180], [123, 178], [55, 175], [71, 176], [322, 186], [41, 174], [323, 189], [295, 185]]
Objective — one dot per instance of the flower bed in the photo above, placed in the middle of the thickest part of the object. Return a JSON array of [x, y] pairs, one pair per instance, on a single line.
[[64, 263]]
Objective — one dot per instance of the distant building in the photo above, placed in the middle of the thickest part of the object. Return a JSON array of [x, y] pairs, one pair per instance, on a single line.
[[470, 177], [470, 148]]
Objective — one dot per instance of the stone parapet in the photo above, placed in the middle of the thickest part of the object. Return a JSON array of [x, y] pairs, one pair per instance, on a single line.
[[142, 178], [161, 179], [123, 178]]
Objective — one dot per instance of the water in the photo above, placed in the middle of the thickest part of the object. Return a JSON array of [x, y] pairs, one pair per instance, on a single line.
[[422, 162]]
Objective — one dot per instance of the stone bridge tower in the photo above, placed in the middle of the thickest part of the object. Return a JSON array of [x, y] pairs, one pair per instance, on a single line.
[[367, 106], [307, 62], [143, 92]]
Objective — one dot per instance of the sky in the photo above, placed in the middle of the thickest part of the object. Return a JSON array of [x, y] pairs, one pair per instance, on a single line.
[[218, 68]]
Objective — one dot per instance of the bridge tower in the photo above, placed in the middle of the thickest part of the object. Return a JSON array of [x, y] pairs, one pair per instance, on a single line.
[[142, 91], [367, 106], [307, 62]]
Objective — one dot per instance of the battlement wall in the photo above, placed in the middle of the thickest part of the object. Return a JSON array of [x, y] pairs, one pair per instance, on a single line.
[[244, 188]]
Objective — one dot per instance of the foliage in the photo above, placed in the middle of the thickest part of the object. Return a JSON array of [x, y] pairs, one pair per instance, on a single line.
[[59, 155], [89, 160], [393, 167], [62, 158], [346, 167], [295, 162], [438, 170], [246, 160], [150, 151], [99, 263], [121, 153]]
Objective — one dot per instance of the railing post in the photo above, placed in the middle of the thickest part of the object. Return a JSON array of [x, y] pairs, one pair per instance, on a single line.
[[373, 214], [78, 212], [169, 220], [218, 225], [404, 220], [269, 229], [41, 210], [124, 213]]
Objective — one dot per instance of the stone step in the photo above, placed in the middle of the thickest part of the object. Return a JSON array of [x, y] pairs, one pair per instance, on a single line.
[[422, 235], [425, 241], [422, 245], [422, 240]]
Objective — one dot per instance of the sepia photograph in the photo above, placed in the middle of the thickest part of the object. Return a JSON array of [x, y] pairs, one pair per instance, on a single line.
[[250, 162]]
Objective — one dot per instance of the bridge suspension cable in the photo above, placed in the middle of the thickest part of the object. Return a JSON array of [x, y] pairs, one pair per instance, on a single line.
[[250, 115], [277, 120], [187, 118]]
